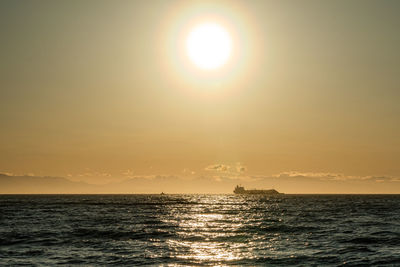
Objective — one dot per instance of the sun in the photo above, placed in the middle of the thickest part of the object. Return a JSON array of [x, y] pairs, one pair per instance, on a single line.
[[209, 46]]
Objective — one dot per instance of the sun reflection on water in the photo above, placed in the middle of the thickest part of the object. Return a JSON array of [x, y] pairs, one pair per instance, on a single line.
[[227, 229], [208, 233]]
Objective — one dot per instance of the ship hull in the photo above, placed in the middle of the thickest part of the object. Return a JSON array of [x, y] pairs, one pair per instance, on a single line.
[[259, 192]]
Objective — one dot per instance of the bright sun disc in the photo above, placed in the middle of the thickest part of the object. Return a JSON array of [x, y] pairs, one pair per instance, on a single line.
[[209, 46]]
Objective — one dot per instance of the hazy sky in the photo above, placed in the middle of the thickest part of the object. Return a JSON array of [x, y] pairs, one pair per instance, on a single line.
[[93, 90]]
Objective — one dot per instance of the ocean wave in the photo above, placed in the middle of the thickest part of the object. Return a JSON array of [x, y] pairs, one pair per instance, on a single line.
[[199, 230]]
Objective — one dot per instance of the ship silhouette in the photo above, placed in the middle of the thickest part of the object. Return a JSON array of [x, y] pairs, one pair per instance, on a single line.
[[241, 190]]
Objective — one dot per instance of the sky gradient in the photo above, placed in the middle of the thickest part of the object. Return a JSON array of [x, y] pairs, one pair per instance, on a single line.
[[94, 91]]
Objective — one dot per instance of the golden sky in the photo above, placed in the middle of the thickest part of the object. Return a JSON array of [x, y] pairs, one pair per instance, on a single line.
[[101, 91]]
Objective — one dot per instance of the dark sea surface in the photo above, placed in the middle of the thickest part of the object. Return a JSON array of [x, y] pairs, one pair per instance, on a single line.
[[289, 230]]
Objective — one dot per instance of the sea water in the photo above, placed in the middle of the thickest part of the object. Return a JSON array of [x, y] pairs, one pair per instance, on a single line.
[[288, 230]]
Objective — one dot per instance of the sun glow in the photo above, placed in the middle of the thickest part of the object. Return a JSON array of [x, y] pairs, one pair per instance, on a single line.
[[209, 49], [209, 46]]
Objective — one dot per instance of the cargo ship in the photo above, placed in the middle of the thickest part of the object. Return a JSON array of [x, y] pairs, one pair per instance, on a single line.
[[241, 190]]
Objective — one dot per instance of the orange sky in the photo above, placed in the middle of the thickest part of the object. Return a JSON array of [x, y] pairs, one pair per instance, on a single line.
[[102, 91]]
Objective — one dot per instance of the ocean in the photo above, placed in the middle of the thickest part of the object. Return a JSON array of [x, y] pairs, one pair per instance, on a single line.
[[194, 230]]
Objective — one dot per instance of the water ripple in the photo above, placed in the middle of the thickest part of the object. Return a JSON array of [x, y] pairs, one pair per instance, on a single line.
[[200, 230]]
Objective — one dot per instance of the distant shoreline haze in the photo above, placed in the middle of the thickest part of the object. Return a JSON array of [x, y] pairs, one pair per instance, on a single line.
[[198, 185]]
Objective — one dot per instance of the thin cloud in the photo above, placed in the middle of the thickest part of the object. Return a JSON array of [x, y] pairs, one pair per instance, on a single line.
[[218, 168], [233, 170], [240, 168], [186, 171], [128, 173], [333, 176]]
